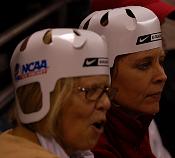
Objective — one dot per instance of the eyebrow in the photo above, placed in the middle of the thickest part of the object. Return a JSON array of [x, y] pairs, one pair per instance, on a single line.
[[144, 59], [95, 85], [150, 57]]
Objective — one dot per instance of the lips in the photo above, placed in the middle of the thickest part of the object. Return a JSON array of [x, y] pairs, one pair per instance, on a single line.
[[156, 93], [99, 126], [155, 96]]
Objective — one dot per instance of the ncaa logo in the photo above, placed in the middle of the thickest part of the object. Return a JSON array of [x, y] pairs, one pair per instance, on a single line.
[[30, 69]]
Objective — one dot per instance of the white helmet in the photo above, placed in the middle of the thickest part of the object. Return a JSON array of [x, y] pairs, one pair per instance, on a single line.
[[68, 53], [127, 30]]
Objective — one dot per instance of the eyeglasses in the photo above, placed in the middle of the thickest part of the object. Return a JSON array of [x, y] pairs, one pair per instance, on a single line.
[[93, 94]]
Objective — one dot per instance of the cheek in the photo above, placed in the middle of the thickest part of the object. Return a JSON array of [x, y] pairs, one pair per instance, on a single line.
[[130, 84], [71, 128], [75, 122], [131, 89], [77, 117], [78, 134]]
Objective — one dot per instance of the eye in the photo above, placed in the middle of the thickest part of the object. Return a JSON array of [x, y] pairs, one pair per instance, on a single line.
[[93, 92], [161, 61], [144, 65]]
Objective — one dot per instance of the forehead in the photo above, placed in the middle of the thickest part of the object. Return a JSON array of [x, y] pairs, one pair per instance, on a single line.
[[152, 53], [93, 80]]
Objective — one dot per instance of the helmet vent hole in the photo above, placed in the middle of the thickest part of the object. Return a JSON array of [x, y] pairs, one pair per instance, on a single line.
[[76, 32], [47, 39], [86, 24], [104, 20], [130, 13], [24, 44]]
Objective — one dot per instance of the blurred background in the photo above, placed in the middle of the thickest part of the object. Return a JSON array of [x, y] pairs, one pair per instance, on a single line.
[[20, 18]]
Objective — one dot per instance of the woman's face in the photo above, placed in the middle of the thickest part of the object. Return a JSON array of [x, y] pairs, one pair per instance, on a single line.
[[82, 120], [139, 79]]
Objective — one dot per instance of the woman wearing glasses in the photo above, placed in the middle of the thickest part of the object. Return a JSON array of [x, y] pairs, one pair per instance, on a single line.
[[61, 81], [136, 56]]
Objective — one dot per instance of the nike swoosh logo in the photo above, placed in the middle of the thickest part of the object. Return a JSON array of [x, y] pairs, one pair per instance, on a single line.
[[90, 62], [143, 39]]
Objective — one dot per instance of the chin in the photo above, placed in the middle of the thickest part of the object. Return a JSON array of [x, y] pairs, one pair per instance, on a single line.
[[150, 107], [92, 144], [153, 109], [156, 108]]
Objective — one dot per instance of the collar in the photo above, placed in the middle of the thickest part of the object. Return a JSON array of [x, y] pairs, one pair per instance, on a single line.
[[130, 128], [25, 133], [51, 145]]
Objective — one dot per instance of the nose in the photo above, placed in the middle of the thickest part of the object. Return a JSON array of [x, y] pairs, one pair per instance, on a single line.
[[160, 76], [103, 103]]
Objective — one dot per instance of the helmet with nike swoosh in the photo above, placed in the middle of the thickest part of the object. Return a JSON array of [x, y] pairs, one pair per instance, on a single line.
[[52, 54], [127, 29]]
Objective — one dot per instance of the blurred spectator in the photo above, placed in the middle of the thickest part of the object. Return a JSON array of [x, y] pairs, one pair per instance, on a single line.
[[165, 117], [161, 9], [172, 2]]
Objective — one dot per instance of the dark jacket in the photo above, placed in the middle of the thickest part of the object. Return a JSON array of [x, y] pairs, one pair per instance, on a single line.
[[125, 136]]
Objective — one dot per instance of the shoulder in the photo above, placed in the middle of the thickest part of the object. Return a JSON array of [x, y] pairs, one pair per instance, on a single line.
[[13, 146]]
